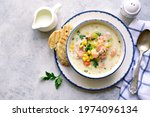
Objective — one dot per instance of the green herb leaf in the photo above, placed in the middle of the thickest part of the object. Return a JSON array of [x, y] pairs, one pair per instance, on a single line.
[[49, 76], [95, 63], [47, 73], [78, 32], [58, 82], [82, 36], [45, 78], [85, 70], [98, 33], [110, 40], [93, 38], [76, 39], [88, 47]]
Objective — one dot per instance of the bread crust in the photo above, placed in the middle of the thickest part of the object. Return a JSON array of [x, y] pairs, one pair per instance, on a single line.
[[57, 41]]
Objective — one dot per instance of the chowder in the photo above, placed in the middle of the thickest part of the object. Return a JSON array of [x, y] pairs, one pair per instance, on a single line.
[[95, 48]]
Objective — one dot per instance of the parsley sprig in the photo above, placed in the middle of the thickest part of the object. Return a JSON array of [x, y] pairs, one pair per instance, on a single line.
[[82, 36], [88, 47], [51, 76], [98, 33], [95, 63]]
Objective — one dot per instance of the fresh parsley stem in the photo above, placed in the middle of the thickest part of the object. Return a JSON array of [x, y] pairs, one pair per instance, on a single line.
[[52, 76]]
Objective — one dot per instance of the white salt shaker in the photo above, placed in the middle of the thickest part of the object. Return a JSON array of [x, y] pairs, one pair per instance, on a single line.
[[130, 8]]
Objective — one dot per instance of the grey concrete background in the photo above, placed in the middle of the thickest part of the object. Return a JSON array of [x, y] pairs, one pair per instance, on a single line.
[[25, 56]]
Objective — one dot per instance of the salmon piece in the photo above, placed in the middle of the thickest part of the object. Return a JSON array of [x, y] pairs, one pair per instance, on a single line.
[[102, 57], [102, 50], [103, 64], [99, 47], [95, 54], [107, 35], [101, 40], [101, 37], [113, 52], [80, 53]]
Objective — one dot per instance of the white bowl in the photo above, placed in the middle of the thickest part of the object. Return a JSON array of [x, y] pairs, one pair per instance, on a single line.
[[100, 75]]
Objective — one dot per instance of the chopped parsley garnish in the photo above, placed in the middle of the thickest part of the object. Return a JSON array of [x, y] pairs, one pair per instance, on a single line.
[[88, 47], [82, 36], [110, 40], [95, 63], [85, 70], [93, 38], [78, 32], [98, 33], [72, 38]]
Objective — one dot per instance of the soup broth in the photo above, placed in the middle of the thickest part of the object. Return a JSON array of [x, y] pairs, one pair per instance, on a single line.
[[95, 48]]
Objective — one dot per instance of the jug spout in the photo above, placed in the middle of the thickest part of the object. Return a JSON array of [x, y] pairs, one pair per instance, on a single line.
[[34, 26], [56, 8]]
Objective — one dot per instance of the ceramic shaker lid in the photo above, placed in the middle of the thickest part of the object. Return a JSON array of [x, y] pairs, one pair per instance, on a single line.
[[130, 8]]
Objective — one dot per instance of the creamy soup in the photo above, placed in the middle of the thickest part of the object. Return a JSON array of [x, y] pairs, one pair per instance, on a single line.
[[95, 48]]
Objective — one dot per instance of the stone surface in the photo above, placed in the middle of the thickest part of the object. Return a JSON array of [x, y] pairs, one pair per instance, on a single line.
[[25, 56]]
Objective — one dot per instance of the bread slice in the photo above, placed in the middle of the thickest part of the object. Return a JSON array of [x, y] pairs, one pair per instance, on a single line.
[[54, 38], [58, 41]]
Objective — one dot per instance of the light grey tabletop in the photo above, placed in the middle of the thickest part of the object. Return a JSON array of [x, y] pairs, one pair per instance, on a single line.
[[25, 56]]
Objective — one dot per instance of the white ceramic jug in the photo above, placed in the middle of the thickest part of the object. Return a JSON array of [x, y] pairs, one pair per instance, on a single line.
[[45, 18]]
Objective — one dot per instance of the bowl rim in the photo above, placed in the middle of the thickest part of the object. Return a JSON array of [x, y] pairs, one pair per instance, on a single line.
[[113, 27]]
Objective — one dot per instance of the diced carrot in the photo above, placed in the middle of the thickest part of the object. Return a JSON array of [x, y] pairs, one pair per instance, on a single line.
[[87, 63]]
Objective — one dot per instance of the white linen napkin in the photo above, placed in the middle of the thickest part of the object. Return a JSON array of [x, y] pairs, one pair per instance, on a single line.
[[143, 92]]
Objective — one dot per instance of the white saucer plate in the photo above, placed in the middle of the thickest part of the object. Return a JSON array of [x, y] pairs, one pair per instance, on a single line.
[[97, 84]]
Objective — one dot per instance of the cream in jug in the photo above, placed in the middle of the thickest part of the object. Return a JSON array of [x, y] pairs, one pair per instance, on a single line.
[[45, 18]]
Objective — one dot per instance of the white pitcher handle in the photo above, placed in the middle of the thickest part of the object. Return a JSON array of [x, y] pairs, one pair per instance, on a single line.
[[56, 8]]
